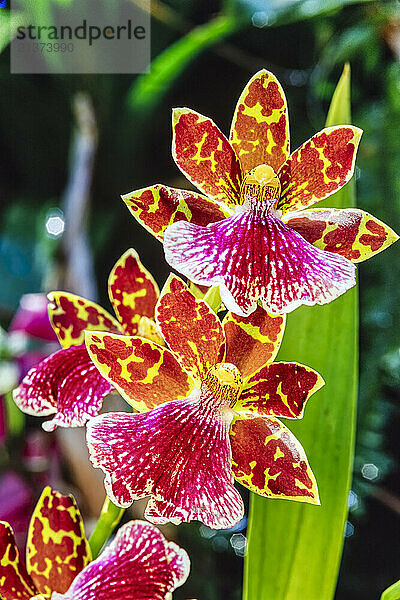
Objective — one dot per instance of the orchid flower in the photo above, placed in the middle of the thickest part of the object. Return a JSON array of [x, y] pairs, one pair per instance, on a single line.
[[253, 233], [138, 564], [209, 410], [67, 383]]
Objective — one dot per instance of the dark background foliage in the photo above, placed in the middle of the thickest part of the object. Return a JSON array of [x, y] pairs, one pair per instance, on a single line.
[[305, 44]]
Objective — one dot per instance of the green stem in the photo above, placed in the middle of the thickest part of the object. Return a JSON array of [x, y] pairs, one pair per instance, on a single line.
[[109, 518], [213, 299]]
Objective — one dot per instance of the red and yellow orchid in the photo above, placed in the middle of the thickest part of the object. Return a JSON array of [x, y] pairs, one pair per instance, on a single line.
[[138, 564], [67, 384], [209, 408], [252, 233]]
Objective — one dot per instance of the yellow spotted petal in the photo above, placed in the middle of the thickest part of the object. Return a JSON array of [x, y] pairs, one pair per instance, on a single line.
[[132, 291], [350, 232], [57, 549], [70, 315], [205, 156], [320, 167], [252, 341], [260, 126], [145, 374], [270, 461]]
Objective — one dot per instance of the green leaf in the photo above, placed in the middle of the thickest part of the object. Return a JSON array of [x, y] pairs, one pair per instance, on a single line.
[[392, 593], [15, 417], [149, 89], [9, 23], [213, 298], [294, 549]]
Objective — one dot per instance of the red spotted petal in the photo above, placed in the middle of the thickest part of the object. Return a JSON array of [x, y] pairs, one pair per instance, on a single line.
[[133, 291], [57, 549], [350, 232], [280, 389], [159, 206], [178, 453], [320, 167], [15, 583], [252, 341], [269, 460], [144, 373], [260, 126], [66, 384], [70, 315], [189, 326], [253, 257], [205, 156], [139, 564]]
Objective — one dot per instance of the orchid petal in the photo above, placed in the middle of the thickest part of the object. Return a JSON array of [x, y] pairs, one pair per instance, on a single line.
[[189, 326], [280, 389], [178, 453], [71, 315], [205, 156], [66, 383], [252, 341], [350, 232], [139, 564], [260, 126], [158, 206], [132, 290], [57, 549], [320, 167], [269, 460], [15, 582], [144, 373], [255, 258], [32, 318]]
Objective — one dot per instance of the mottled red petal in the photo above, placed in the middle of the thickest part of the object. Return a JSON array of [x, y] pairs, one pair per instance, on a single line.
[[57, 549], [205, 156], [269, 460], [15, 583], [189, 326], [70, 315], [279, 389], [260, 126], [178, 453], [257, 258], [350, 232], [132, 290], [66, 383], [158, 206], [254, 340], [144, 373], [320, 167], [139, 564]]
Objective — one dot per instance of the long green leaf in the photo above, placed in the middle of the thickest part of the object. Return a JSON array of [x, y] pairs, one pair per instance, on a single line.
[[149, 89], [294, 549], [392, 593]]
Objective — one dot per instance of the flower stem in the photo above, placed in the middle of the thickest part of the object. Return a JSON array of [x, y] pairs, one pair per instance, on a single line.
[[213, 298], [109, 518]]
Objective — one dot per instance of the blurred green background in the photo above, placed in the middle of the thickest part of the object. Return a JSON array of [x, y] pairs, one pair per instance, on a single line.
[[203, 55]]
